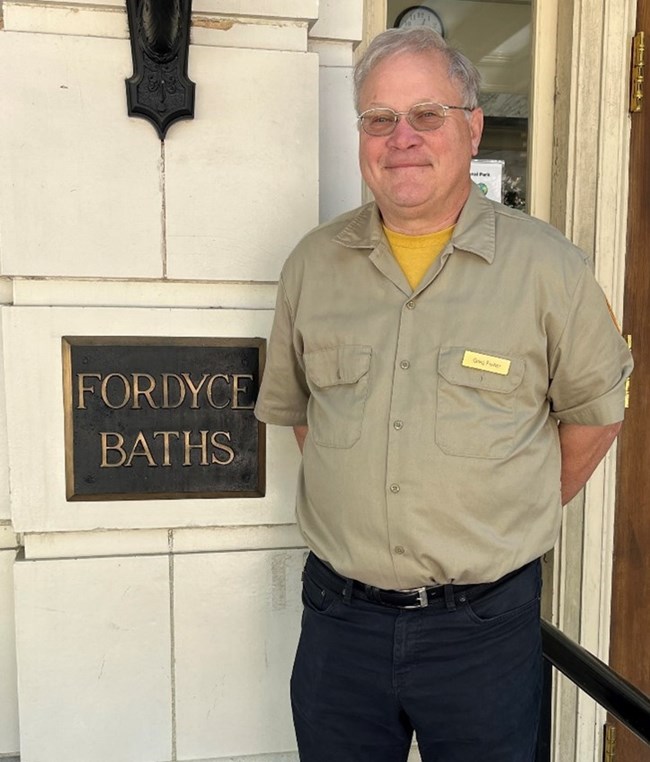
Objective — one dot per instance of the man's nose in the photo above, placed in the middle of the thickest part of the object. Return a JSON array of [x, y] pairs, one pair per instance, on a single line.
[[404, 136]]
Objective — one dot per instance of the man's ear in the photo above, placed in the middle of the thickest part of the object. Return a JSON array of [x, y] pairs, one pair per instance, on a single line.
[[476, 128]]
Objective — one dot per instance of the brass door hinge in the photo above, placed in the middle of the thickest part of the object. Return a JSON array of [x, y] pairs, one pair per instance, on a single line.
[[610, 743], [638, 66], [627, 382]]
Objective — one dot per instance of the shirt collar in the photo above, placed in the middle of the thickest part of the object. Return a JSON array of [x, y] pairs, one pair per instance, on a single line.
[[474, 232], [476, 227], [364, 231]]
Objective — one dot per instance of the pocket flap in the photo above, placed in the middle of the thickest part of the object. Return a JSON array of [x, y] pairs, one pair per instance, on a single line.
[[451, 368], [337, 365]]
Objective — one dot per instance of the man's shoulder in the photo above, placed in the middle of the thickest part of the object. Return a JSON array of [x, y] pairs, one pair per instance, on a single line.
[[512, 238], [543, 237], [330, 245], [331, 230]]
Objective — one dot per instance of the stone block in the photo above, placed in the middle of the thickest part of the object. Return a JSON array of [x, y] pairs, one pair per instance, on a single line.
[[339, 20], [81, 190], [35, 423], [5, 512], [237, 618], [282, 9], [339, 144], [94, 660], [242, 178], [9, 742]]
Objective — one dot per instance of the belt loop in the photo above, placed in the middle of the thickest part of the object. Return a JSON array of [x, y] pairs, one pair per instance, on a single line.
[[347, 591], [450, 603]]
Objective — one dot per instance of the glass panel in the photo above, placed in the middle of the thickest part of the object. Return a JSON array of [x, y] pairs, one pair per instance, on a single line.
[[495, 35]]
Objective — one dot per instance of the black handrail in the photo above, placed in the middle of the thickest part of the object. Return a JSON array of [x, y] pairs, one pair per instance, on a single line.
[[607, 687]]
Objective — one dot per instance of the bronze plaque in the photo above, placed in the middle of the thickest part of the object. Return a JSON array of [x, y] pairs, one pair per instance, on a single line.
[[158, 417]]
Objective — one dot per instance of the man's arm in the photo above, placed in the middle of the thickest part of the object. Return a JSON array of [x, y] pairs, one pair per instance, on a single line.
[[301, 435], [582, 447]]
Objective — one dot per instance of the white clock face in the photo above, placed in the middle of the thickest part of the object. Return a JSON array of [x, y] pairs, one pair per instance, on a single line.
[[420, 16]]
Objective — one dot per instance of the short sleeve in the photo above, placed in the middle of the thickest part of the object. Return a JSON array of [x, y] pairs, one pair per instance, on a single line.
[[284, 394], [591, 361]]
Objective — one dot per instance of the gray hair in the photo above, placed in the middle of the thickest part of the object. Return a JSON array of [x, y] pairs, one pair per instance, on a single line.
[[418, 40]]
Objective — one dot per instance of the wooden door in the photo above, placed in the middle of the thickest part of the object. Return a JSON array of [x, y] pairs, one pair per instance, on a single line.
[[630, 628]]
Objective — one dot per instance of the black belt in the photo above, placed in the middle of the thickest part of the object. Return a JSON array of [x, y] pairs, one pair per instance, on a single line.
[[444, 595]]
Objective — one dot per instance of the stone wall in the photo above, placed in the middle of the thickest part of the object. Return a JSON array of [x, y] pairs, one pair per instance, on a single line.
[[153, 630]]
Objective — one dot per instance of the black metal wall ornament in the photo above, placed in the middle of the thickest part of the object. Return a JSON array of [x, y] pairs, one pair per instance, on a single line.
[[160, 89]]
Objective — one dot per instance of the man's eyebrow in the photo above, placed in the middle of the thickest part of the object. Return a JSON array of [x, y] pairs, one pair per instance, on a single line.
[[416, 102]]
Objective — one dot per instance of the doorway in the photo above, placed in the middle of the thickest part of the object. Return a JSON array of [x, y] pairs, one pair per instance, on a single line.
[[496, 36]]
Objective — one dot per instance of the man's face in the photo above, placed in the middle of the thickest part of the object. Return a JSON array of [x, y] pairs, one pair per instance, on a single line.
[[419, 179]]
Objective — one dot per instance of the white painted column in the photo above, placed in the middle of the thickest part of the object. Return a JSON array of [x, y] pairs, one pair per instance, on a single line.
[[9, 742], [334, 36], [589, 202]]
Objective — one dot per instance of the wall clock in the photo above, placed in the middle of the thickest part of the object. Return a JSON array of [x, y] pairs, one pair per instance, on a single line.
[[420, 15]]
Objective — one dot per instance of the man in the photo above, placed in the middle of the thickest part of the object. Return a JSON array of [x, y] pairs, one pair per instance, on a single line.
[[454, 377]]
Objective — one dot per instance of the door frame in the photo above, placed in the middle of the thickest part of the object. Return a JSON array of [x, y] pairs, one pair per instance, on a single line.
[[589, 203], [631, 571]]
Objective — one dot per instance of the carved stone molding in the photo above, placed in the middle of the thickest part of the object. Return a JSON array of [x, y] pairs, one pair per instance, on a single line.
[[160, 89]]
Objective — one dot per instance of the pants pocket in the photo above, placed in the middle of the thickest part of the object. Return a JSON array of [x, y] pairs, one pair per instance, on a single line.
[[507, 601], [315, 597]]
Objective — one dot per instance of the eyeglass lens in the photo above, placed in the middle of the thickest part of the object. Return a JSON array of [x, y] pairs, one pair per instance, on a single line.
[[423, 117]]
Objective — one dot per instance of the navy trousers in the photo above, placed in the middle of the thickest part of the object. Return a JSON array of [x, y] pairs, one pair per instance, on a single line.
[[464, 674]]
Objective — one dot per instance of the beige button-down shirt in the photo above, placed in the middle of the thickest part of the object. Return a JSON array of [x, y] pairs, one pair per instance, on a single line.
[[433, 451]]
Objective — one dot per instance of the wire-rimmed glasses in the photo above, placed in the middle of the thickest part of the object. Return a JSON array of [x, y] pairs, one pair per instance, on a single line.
[[423, 117]]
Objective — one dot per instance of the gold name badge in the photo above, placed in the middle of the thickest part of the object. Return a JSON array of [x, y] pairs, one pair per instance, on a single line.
[[488, 363]]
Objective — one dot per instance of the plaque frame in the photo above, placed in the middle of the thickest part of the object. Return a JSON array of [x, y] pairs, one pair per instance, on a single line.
[[70, 342]]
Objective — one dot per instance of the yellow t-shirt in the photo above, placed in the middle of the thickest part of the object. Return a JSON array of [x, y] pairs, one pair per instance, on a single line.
[[415, 253]]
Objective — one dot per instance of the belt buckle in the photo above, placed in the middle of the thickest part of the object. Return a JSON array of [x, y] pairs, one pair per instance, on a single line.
[[423, 599]]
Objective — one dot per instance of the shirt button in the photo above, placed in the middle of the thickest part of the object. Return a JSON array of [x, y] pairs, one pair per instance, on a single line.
[[410, 305], [405, 365], [398, 425], [394, 488], [399, 550]]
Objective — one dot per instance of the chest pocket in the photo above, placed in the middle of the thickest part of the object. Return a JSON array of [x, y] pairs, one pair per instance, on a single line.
[[338, 382], [476, 409]]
